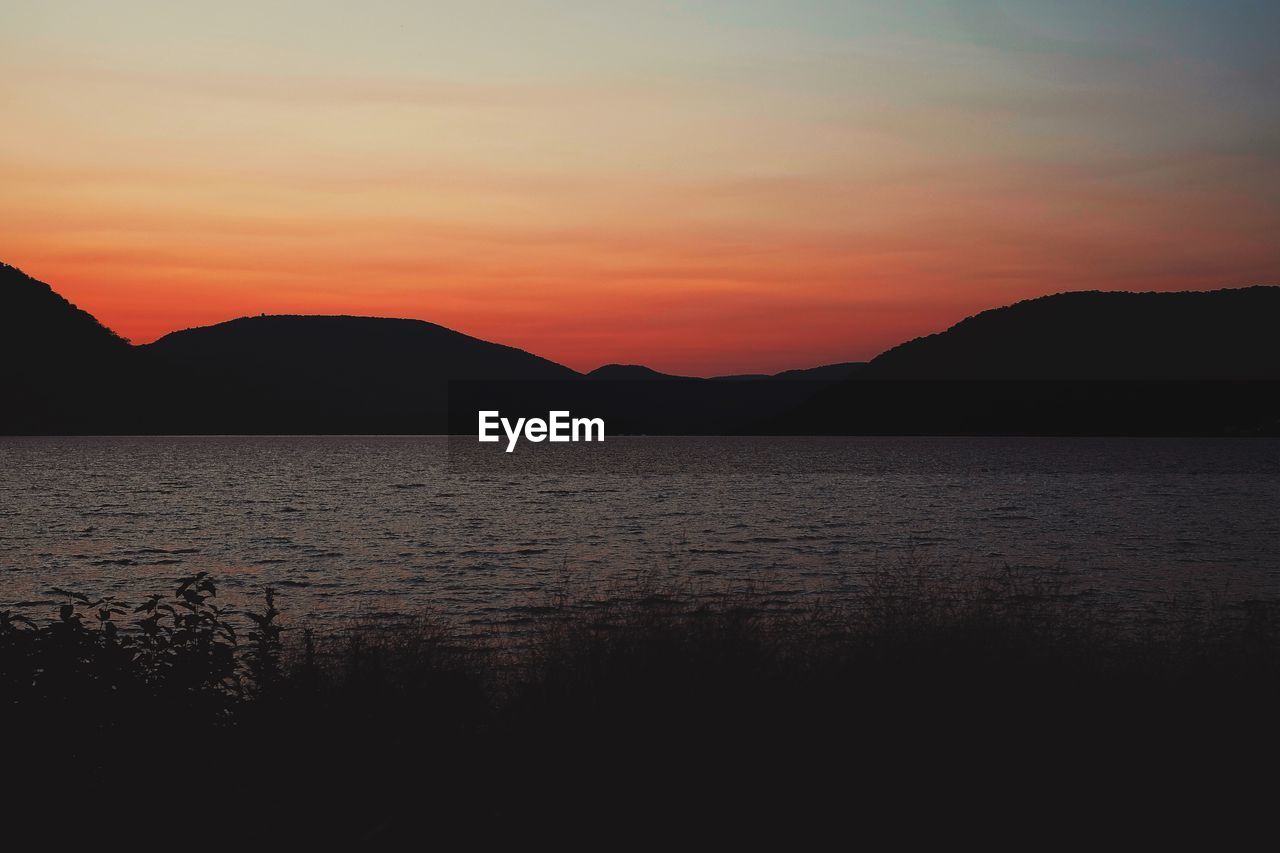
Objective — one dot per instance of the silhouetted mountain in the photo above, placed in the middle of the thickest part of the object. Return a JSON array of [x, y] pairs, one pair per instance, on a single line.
[[629, 373], [1093, 335], [823, 373], [59, 366], [347, 349], [303, 373], [1072, 363], [38, 323], [1075, 363]]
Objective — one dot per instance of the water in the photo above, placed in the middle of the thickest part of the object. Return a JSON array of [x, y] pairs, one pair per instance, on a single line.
[[353, 527]]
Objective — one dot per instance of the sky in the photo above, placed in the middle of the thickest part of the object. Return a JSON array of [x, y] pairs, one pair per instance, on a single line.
[[703, 187]]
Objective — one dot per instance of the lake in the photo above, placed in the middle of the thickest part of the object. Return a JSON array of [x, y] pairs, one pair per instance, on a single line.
[[367, 527]]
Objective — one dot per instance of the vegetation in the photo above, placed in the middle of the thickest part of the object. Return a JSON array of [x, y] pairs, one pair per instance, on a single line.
[[647, 704]]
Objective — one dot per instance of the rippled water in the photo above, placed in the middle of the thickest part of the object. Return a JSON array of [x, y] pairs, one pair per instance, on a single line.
[[362, 526]]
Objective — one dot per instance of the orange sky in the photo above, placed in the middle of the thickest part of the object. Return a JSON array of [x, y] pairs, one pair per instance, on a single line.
[[712, 189]]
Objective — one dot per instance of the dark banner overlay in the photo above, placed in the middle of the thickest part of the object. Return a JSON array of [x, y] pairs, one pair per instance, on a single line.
[[778, 407]]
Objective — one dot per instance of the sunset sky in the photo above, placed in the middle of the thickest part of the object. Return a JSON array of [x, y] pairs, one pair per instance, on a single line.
[[703, 187]]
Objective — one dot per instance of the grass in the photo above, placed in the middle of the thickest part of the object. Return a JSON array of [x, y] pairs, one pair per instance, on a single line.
[[634, 707]]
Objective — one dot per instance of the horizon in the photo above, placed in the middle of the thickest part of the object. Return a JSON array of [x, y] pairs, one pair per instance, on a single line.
[[701, 188], [605, 364]]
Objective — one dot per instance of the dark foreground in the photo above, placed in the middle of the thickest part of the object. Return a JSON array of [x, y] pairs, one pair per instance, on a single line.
[[966, 709]]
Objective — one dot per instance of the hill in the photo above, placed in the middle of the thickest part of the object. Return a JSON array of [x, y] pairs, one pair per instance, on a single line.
[[1087, 362], [39, 323], [629, 373], [61, 369], [331, 373], [640, 373], [1095, 335], [824, 373]]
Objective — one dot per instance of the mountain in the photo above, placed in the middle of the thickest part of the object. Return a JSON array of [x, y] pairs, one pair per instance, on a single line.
[[823, 373], [59, 367], [629, 373], [331, 373], [64, 372], [640, 373], [1096, 335], [350, 351], [1085, 363], [1071, 363], [634, 399], [742, 377], [39, 324]]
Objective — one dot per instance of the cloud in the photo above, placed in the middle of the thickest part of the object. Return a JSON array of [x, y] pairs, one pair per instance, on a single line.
[[292, 90]]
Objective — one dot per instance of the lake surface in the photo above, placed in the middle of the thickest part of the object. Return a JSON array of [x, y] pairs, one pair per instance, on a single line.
[[364, 527]]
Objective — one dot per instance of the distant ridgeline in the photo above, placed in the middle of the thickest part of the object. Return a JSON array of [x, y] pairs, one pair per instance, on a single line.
[[1073, 363]]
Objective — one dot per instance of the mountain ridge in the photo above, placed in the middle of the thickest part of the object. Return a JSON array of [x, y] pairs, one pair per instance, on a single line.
[[67, 372], [1102, 335], [333, 333], [34, 311]]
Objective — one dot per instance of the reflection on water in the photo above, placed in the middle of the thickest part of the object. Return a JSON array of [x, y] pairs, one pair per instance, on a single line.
[[366, 525]]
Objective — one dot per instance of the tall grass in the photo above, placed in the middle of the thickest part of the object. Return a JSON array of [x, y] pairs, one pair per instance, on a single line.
[[631, 704]]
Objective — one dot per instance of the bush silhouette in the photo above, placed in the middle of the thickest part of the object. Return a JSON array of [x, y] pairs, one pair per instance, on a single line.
[[645, 705]]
